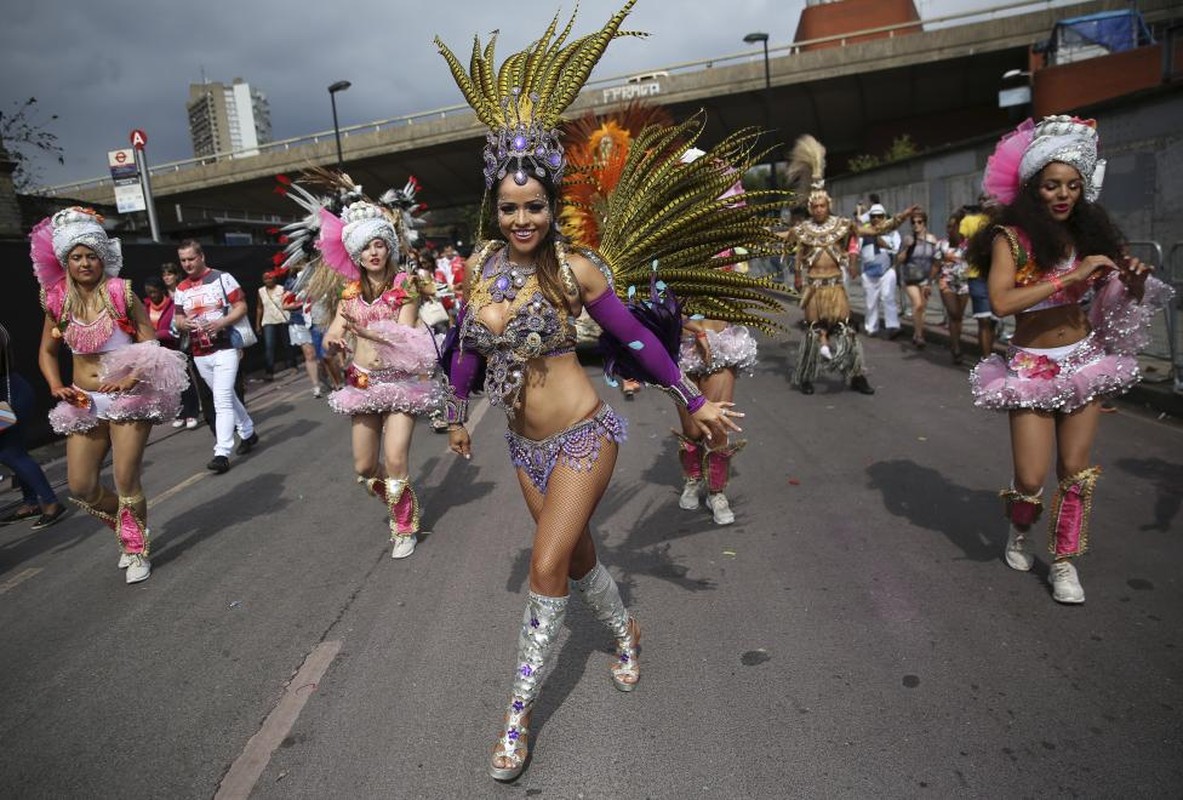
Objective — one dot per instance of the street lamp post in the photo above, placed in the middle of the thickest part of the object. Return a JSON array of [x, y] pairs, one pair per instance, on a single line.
[[339, 86], [752, 38]]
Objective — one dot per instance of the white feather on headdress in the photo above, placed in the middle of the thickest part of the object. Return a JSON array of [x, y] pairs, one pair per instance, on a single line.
[[807, 164]]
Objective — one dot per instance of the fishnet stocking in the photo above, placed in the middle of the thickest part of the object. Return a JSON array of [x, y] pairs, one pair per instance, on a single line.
[[563, 546]]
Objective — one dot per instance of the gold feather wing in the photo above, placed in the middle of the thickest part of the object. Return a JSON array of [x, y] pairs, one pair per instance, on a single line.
[[676, 215]]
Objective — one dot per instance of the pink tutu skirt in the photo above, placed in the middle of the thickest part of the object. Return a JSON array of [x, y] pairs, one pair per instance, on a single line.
[[733, 347], [1033, 380], [162, 376], [382, 391]]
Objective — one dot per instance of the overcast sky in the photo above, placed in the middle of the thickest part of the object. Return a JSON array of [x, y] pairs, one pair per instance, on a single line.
[[109, 66]]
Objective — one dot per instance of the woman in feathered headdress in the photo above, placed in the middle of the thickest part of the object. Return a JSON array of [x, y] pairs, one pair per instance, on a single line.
[[1053, 250], [389, 379], [525, 290], [123, 381]]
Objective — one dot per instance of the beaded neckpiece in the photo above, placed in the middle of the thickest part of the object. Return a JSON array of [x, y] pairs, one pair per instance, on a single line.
[[507, 276]]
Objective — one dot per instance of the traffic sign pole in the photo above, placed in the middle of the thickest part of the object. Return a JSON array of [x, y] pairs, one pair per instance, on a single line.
[[139, 140]]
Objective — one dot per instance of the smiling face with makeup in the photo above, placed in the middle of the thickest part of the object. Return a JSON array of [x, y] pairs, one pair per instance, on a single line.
[[523, 216], [1060, 188]]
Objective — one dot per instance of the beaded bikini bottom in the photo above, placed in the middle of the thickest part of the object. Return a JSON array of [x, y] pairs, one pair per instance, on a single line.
[[576, 447]]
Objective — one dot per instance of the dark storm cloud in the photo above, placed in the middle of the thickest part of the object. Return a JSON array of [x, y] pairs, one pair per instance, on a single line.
[[105, 68]]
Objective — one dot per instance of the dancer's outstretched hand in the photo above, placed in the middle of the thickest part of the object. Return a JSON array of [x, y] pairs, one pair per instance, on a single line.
[[459, 442], [716, 419]]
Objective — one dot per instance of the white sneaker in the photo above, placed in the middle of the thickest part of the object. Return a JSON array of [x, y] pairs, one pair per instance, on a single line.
[[178, 423], [824, 352], [689, 498], [190, 423], [138, 569], [720, 509], [124, 561], [403, 546], [316, 392], [1066, 586], [1017, 556]]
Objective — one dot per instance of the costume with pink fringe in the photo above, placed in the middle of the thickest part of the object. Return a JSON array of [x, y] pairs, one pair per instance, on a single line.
[[401, 377], [1062, 379], [161, 374], [404, 380]]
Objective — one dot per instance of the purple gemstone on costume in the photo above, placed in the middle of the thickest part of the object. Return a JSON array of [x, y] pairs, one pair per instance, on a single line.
[[518, 705], [520, 178], [540, 151], [624, 658], [512, 734], [534, 623], [555, 159], [502, 283], [527, 671], [519, 142]]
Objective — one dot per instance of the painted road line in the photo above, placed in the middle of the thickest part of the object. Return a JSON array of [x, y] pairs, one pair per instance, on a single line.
[[167, 493], [19, 578], [249, 765]]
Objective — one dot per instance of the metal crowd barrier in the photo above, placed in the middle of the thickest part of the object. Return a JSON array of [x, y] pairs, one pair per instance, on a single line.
[[1173, 274]]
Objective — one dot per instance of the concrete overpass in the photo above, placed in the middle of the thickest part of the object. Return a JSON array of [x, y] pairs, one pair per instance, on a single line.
[[938, 86]]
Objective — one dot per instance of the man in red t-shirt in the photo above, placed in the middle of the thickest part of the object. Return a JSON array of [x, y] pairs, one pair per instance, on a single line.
[[208, 303]]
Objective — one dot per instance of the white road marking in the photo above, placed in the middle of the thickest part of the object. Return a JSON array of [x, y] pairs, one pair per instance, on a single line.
[[19, 578], [249, 765]]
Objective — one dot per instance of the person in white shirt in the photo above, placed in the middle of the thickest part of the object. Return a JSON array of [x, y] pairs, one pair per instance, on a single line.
[[877, 257]]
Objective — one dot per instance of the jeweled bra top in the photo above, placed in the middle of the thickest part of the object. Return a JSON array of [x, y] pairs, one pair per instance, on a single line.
[[386, 306], [534, 327], [1028, 273]]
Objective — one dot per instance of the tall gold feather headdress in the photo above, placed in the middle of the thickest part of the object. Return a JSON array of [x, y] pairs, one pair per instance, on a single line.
[[523, 104]]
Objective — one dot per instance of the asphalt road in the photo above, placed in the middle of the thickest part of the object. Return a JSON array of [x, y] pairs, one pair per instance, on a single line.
[[854, 634]]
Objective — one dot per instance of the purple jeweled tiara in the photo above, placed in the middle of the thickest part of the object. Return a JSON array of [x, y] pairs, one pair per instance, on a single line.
[[525, 148]]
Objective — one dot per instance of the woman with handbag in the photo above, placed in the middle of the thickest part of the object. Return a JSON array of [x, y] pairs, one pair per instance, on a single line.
[[16, 403], [916, 260], [211, 307], [123, 380]]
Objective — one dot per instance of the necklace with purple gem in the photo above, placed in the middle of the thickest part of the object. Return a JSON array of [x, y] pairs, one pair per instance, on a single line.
[[509, 278]]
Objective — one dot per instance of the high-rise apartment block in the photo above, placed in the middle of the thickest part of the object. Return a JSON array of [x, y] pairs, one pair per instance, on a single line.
[[225, 119]]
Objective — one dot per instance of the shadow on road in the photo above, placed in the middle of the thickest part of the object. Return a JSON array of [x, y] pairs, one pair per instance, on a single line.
[[969, 518], [1167, 479]]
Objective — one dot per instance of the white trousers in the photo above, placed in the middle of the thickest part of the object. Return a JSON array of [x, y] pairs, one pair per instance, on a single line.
[[218, 370], [881, 291]]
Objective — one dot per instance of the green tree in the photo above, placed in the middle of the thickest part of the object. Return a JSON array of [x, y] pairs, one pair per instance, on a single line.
[[23, 135]]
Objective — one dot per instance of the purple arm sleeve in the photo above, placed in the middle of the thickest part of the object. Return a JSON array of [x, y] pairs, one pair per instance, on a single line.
[[463, 369], [614, 317], [462, 372]]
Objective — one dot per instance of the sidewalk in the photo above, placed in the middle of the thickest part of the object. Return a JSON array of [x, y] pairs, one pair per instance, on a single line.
[[1155, 391]]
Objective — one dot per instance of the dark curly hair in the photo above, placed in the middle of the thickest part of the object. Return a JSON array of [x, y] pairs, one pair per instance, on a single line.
[[1089, 230]]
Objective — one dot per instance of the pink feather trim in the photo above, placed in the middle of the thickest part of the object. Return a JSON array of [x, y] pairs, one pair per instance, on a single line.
[[1001, 179], [332, 248], [46, 266]]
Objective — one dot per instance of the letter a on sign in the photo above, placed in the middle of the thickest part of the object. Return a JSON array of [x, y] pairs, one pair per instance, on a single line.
[[138, 139]]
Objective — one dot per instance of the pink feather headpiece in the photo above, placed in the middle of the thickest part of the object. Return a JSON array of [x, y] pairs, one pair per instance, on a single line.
[[46, 266], [332, 248], [1002, 179]]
